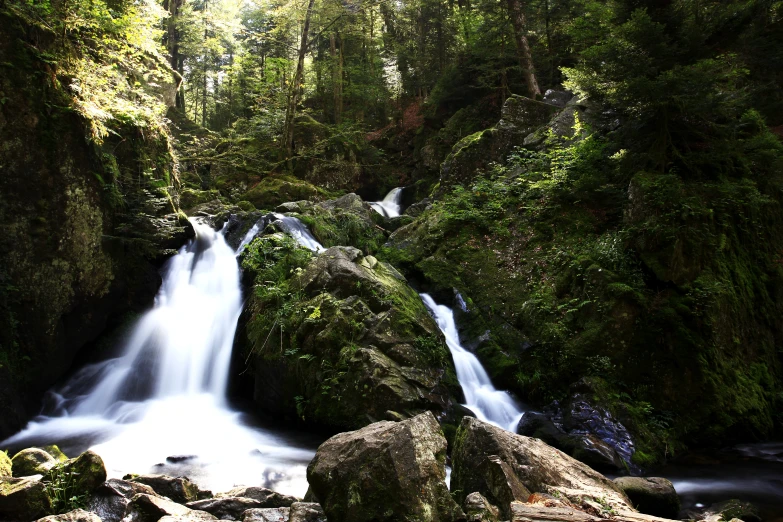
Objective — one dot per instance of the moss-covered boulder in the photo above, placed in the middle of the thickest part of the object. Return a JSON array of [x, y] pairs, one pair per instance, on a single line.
[[83, 474], [387, 471], [23, 499], [32, 461], [340, 339], [55, 451], [5, 464], [472, 154], [279, 188], [651, 495]]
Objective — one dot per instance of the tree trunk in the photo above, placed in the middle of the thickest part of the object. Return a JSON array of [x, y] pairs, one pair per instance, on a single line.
[[296, 86], [337, 76], [523, 47]]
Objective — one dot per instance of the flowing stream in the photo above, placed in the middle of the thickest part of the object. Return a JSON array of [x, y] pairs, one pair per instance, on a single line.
[[481, 397], [390, 206], [161, 405]]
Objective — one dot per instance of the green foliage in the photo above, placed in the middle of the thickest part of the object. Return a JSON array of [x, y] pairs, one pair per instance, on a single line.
[[64, 489]]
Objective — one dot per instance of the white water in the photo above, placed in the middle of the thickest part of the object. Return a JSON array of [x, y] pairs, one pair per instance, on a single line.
[[390, 206], [296, 229], [166, 394], [489, 404]]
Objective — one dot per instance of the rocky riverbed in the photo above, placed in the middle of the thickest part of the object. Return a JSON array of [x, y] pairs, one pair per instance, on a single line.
[[386, 471]]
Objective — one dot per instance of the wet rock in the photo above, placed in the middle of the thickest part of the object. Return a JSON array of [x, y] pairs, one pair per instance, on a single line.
[[387, 471], [148, 508], [585, 431], [178, 489], [77, 515], [32, 461], [505, 467], [478, 509], [87, 472], [5, 465], [306, 512], [226, 508], [266, 515], [267, 497], [557, 98], [653, 495], [111, 499], [417, 209], [23, 499], [728, 510]]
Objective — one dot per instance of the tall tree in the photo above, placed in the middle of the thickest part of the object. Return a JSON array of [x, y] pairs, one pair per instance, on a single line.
[[296, 86], [517, 16]]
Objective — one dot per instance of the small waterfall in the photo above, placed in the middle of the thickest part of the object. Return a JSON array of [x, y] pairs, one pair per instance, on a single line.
[[166, 394], [290, 225], [296, 229], [390, 206], [489, 404]]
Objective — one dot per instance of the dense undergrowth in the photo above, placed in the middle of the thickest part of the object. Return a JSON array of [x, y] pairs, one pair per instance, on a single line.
[[662, 294]]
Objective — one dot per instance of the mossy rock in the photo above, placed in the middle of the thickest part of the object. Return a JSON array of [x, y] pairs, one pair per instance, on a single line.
[[23, 499], [55, 452], [276, 189], [83, 474], [32, 461], [189, 198], [5, 464]]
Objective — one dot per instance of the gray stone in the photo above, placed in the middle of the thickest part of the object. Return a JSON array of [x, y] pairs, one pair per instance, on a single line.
[[226, 508], [111, 499], [306, 512], [267, 497], [148, 508], [387, 471], [178, 489], [266, 515], [478, 509]]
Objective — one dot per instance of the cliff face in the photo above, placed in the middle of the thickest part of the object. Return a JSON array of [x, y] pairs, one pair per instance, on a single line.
[[84, 223]]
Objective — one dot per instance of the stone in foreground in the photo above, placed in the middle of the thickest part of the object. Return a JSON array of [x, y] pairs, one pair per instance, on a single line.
[[387, 471], [478, 509], [23, 499], [266, 515], [505, 467], [77, 515], [306, 512], [111, 499], [32, 461], [147, 508], [178, 489], [226, 508], [267, 497], [654, 495]]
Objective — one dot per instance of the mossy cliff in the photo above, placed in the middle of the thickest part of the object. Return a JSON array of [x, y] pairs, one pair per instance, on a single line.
[[86, 209], [661, 293]]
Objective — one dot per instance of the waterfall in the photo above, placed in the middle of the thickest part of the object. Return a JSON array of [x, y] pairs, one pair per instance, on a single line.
[[390, 206], [165, 395], [489, 404], [290, 225]]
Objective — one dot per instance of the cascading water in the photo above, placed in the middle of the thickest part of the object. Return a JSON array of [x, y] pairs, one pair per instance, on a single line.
[[166, 394], [296, 229], [489, 404], [390, 206]]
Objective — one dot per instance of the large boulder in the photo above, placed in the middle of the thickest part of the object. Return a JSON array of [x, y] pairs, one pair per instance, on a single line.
[[357, 344], [585, 431], [178, 489], [505, 467], [32, 461], [23, 499], [84, 474], [386, 471], [653, 495], [111, 499], [478, 509]]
